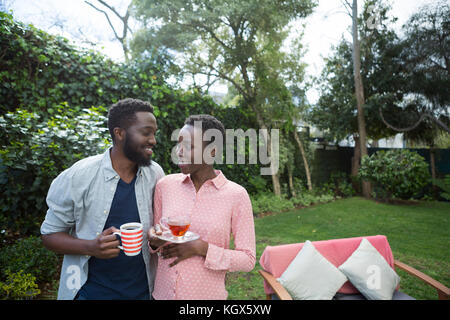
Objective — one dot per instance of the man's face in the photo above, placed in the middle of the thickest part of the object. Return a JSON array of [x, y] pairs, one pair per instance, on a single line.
[[140, 139]]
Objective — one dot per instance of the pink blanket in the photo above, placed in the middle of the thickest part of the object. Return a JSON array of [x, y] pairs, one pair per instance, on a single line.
[[275, 259]]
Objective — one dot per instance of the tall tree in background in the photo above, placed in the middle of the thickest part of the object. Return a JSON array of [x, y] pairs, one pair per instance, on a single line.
[[425, 62], [226, 40], [359, 92], [335, 112]]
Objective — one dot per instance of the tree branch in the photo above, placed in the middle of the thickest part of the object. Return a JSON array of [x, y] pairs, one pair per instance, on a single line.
[[220, 75], [112, 9], [195, 25], [422, 117], [347, 7], [124, 20], [107, 18]]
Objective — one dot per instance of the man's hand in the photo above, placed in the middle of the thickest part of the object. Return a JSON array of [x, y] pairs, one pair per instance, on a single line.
[[182, 251], [105, 245]]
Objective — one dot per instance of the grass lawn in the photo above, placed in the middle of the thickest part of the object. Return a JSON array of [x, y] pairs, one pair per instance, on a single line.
[[418, 235]]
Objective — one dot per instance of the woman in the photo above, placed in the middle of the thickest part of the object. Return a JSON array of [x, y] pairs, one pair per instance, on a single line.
[[217, 208]]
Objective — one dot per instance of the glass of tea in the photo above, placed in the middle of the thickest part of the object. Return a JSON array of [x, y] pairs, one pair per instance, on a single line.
[[178, 225]]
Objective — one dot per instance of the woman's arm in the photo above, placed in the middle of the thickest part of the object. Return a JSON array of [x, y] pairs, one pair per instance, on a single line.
[[243, 257]]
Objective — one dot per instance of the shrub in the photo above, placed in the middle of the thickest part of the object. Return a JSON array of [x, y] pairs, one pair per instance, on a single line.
[[395, 173], [39, 70], [18, 286], [444, 184], [35, 150], [269, 202], [30, 256], [339, 185], [304, 199], [46, 84]]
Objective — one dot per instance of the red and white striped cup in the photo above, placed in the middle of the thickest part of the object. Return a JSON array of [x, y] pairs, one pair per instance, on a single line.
[[132, 236]]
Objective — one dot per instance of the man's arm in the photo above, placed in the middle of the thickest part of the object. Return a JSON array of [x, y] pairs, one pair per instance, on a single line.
[[103, 247], [60, 220]]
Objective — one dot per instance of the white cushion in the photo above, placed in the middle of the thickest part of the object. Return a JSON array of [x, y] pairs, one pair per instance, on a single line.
[[311, 277], [370, 273]]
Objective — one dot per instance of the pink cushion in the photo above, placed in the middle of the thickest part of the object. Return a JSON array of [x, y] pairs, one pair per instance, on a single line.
[[275, 259]]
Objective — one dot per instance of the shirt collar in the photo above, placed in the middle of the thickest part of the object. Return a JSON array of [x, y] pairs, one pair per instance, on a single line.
[[218, 181], [108, 170]]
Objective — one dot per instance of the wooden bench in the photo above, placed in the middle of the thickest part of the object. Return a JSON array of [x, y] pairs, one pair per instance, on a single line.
[[275, 259]]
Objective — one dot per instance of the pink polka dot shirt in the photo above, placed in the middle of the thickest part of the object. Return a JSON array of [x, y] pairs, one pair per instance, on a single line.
[[219, 208]]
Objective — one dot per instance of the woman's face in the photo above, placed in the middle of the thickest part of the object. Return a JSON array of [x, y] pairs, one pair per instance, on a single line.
[[190, 149]]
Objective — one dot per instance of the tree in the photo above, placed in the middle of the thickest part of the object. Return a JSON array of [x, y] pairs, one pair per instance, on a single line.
[[424, 58], [359, 91], [425, 62], [335, 112], [227, 40]]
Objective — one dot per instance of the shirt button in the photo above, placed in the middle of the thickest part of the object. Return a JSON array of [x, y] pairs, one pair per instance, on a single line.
[[105, 212]]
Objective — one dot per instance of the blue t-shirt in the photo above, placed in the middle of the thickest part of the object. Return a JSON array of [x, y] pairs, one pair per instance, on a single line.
[[122, 277]]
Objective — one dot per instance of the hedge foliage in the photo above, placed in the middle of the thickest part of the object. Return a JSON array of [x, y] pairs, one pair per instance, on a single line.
[[30, 256], [395, 173], [54, 99]]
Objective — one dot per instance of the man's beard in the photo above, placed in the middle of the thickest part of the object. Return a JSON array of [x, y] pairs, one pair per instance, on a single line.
[[131, 151]]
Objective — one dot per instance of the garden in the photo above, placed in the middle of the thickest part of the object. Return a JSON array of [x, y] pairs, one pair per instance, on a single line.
[[54, 100]]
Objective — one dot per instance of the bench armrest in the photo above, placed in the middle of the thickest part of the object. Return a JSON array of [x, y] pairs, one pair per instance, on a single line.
[[443, 291], [280, 291]]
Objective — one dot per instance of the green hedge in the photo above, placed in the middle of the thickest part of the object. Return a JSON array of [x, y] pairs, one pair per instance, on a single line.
[[53, 106], [39, 71], [395, 173], [30, 256], [36, 151]]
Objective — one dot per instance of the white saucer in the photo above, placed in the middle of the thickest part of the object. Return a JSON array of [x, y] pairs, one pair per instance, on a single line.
[[168, 236]]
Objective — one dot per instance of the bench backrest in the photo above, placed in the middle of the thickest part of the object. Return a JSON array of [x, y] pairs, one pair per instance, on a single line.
[[275, 259]]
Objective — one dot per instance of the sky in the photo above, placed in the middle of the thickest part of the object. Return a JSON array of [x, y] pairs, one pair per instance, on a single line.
[[75, 19]]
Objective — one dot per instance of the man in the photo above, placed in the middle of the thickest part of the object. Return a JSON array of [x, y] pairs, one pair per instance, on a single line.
[[90, 200]]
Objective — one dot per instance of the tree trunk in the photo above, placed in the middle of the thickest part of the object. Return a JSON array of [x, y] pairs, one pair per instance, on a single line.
[[433, 171], [276, 184], [433, 162], [291, 182], [275, 175], [305, 160], [359, 92], [356, 164]]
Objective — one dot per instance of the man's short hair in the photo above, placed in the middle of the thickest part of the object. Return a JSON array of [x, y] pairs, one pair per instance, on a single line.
[[208, 122], [123, 113]]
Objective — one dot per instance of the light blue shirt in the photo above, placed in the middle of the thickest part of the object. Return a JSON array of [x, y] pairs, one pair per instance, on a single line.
[[79, 200]]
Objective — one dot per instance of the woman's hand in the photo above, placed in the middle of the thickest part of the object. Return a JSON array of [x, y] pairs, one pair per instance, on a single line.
[[153, 241], [182, 251]]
